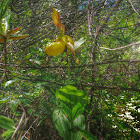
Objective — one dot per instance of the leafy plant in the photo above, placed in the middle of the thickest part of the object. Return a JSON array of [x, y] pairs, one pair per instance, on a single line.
[[68, 119], [5, 33], [5, 17], [7, 124]]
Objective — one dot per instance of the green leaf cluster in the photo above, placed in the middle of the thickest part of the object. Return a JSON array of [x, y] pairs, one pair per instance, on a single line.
[[8, 124], [69, 120], [73, 101]]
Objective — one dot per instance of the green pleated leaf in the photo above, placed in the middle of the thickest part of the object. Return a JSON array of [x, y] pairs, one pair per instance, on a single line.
[[62, 97], [73, 101], [3, 8], [66, 110], [7, 134], [64, 127], [72, 105], [6, 123], [77, 110], [80, 122], [87, 135], [71, 96], [61, 124]]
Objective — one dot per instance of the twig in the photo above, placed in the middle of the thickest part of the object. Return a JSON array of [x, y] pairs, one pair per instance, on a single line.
[[109, 87], [20, 122], [118, 38], [29, 129], [89, 18], [3, 76], [105, 20], [19, 125], [133, 7], [36, 79], [3, 91], [134, 43], [76, 66], [21, 131]]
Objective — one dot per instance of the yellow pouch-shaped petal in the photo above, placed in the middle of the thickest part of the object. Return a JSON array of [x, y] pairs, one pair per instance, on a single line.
[[55, 48]]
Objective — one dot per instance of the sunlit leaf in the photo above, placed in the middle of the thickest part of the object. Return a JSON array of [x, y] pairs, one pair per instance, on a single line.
[[6, 21], [77, 44], [80, 122], [10, 82], [62, 97], [14, 30], [35, 61]]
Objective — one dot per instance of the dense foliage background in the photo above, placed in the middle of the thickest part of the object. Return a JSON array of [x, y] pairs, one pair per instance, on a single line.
[[109, 69]]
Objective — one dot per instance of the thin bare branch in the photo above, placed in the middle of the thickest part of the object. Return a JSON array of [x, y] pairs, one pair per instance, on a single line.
[[105, 20], [133, 7], [29, 128], [19, 125], [134, 43], [110, 87], [3, 76], [3, 91], [89, 18], [74, 66]]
